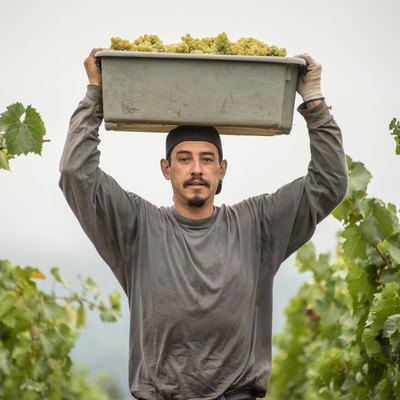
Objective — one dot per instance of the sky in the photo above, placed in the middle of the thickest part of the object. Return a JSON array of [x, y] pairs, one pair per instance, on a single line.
[[44, 44]]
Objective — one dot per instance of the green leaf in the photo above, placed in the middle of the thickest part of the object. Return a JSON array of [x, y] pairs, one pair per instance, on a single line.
[[12, 115], [22, 137], [305, 257], [108, 314], [55, 272], [68, 315], [359, 177], [69, 336], [392, 208], [397, 140], [390, 291], [342, 211], [371, 344], [5, 362], [21, 353], [362, 285], [393, 247], [321, 267], [115, 299], [379, 222], [4, 157], [81, 317], [377, 329], [51, 309], [394, 126], [354, 245], [29, 384], [391, 330], [89, 285], [18, 319], [13, 312], [41, 369], [390, 326], [52, 343], [8, 277], [7, 302], [385, 389]]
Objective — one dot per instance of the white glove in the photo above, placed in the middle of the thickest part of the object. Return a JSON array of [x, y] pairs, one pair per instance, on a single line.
[[309, 84]]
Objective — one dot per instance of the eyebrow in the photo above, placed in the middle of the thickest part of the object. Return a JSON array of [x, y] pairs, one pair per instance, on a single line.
[[203, 153]]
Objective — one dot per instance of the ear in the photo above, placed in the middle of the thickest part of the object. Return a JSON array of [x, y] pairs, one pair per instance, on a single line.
[[224, 167], [165, 168]]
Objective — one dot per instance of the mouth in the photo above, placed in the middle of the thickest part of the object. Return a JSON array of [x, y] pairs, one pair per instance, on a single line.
[[196, 183]]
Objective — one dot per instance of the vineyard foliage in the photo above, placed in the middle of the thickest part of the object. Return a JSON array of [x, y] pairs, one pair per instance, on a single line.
[[20, 136], [342, 335], [38, 331]]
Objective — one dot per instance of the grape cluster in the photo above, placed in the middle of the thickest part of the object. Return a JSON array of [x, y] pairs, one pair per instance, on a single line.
[[210, 45], [143, 43]]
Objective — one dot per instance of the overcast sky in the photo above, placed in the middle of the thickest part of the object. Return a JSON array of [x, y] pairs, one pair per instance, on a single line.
[[43, 46]]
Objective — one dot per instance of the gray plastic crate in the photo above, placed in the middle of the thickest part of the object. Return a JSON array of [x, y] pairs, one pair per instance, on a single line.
[[239, 95]]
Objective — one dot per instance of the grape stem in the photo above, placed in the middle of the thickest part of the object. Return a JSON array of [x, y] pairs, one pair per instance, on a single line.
[[384, 260], [79, 299], [34, 334]]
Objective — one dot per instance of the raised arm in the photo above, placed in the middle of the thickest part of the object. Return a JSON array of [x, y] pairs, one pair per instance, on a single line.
[[292, 213], [105, 211], [327, 168]]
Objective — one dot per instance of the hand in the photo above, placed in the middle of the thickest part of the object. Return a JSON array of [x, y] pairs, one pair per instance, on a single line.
[[309, 84], [92, 70]]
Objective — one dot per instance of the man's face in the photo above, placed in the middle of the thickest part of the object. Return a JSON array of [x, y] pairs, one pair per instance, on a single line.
[[195, 172]]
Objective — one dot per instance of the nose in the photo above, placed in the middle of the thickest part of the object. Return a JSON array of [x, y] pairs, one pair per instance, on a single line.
[[196, 167]]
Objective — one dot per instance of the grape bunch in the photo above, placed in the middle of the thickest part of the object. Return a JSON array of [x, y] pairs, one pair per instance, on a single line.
[[209, 45], [143, 43]]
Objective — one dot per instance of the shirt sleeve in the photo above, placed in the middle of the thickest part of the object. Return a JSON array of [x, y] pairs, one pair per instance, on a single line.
[[290, 215], [106, 212]]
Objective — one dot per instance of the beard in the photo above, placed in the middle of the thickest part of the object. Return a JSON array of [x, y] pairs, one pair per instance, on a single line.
[[196, 201]]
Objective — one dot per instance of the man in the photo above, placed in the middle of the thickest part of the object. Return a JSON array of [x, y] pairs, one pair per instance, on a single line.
[[199, 278]]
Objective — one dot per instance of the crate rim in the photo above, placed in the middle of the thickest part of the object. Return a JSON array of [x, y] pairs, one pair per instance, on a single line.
[[214, 57]]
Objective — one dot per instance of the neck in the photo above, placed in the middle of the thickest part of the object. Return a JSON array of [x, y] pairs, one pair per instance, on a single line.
[[194, 212]]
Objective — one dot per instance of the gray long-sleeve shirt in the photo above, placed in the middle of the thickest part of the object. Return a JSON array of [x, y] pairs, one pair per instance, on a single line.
[[199, 291]]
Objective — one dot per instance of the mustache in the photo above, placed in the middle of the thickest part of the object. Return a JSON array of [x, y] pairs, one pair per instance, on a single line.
[[196, 179]]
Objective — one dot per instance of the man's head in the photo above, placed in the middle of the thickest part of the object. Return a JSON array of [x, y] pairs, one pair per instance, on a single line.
[[185, 133], [194, 164]]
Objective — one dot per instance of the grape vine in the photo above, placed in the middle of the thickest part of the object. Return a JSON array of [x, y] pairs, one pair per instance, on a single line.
[[38, 331], [342, 335]]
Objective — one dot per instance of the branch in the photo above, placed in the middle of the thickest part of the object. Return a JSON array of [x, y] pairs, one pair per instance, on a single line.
[[34, 334], [81, 299], [384, 260]]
